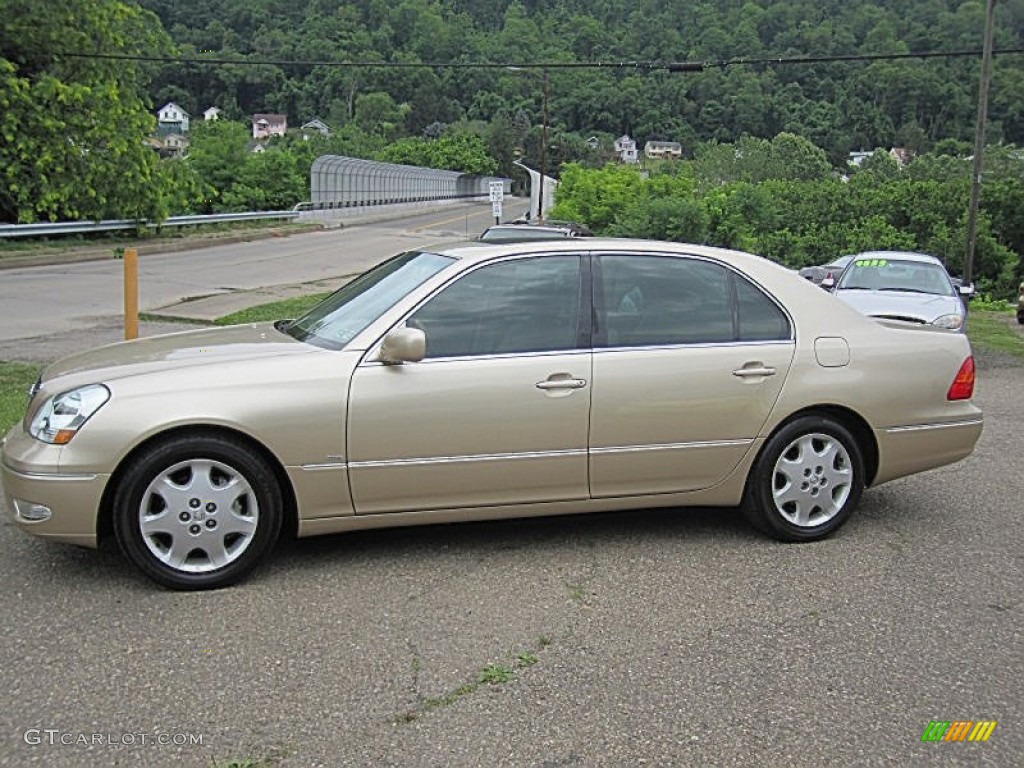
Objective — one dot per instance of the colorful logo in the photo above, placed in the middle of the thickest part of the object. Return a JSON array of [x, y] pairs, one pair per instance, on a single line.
[[958, 730]]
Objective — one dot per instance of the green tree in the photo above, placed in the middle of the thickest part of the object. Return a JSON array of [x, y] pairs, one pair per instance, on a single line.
[[217, 154], [268, 181], [72, 130], [378, 113], [595, 197], [462, 152]]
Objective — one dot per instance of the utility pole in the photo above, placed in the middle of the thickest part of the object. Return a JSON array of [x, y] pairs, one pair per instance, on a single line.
[[979, 144]]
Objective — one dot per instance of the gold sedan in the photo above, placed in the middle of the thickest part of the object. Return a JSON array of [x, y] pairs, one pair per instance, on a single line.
[[488, 381]]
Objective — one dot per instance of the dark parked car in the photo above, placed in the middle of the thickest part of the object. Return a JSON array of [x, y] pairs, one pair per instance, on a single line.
[[833, 269], [1020, 304], [523, 230]]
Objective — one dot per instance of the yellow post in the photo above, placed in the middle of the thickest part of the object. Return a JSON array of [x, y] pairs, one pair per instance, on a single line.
[[131, 293]]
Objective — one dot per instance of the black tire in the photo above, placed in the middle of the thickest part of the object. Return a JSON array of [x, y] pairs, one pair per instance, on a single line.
[[197, 512], [806, 481]]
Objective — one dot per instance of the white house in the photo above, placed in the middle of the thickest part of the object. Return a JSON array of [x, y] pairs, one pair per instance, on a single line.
[[265, 125], [172, 119], [626, 147], [213, 113], [856, 159]]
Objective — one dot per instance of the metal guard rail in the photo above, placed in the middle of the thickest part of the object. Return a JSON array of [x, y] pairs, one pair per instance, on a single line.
[[44, 229]]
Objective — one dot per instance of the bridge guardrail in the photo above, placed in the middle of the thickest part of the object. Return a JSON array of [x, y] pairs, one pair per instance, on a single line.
[[44, 229]]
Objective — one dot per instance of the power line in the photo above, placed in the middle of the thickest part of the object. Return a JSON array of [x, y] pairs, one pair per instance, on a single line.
[[670, 66]]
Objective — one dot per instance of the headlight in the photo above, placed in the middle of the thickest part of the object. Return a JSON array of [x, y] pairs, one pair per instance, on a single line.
[[951, 322], [60, 417]]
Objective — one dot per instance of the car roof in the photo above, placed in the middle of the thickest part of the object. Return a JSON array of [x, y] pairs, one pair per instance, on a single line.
[[476, 251]]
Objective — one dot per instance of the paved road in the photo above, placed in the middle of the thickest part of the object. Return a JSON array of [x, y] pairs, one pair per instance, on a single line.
[[663, 638], [42, 301]]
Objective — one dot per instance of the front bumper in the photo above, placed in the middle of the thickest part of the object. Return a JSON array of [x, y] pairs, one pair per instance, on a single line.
[[33, 483]]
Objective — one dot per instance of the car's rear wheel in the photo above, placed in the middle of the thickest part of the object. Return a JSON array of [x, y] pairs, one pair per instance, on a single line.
[[197, 512], [806, 481]]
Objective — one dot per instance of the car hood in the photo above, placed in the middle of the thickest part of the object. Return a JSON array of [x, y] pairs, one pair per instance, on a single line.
[[177, 350], [921, 307]]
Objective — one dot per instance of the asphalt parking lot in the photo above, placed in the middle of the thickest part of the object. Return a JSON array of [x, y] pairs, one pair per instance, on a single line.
[[662, 638]]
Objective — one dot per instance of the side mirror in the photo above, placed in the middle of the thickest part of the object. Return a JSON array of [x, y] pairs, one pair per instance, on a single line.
[[966, 290], [828, 283], [403, 345]]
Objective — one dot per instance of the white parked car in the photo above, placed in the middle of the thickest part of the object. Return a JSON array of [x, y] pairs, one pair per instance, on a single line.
[[898, 285]]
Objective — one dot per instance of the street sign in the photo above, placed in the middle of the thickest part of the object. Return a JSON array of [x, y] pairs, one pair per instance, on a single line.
[[496, 209], [497, 189]]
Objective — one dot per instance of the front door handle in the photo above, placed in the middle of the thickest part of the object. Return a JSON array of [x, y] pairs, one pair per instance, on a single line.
[[754, 370], [561, 383]]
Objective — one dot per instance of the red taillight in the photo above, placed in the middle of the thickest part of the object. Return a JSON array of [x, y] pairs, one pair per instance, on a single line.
[[962, 387]]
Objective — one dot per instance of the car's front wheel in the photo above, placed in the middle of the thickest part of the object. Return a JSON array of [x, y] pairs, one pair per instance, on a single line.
[[806, 481], [197, 512]]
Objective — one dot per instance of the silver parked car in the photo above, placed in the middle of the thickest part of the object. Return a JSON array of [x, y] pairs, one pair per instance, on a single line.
[[477, 382], [897, 285]]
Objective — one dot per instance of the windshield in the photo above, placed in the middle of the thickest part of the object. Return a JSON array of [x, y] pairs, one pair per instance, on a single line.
[[337, 319], [883, 274]]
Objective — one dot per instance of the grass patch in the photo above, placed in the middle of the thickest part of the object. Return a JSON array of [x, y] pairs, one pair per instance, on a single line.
[[492, 674], [526, 659], [15, 379], [275, 310], [495, 674], [993, 331]]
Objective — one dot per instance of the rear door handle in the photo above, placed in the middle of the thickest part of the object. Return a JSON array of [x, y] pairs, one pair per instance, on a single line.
[[754, 370], [566, 383]]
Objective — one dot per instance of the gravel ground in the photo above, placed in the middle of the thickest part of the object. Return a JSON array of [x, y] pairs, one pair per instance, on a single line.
[[662, 638]]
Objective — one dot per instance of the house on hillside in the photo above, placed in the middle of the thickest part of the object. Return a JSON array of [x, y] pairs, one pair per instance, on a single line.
[[901, 155], [856, 159], [265, 125], [316, 125], [625, 147], [171, 119], [173, 145], [663, 150], [213, 113]]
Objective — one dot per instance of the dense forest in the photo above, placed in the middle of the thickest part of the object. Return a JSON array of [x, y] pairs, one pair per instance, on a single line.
[[840, 106]]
